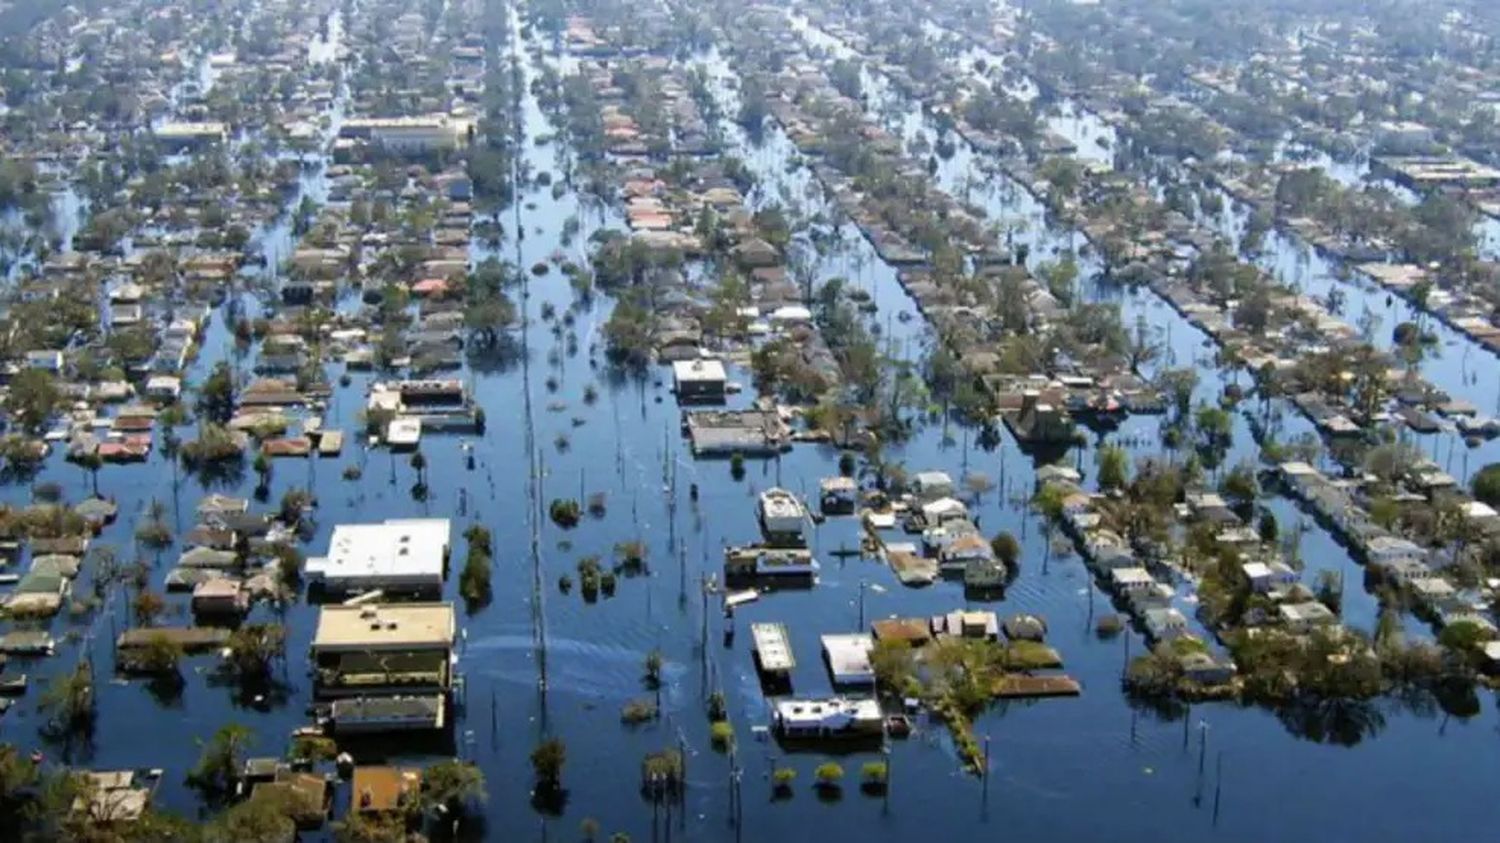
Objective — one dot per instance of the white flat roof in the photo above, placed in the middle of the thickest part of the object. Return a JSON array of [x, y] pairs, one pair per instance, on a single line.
[[398, 550], [404, 430], [1255, 570], [1131, 576], [849, 657], [779, 503], [772, 646], [188, 129], [698, 371]]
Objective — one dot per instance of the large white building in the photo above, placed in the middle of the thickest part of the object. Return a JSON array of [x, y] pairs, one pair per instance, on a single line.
[[409, 134], [185, 135], [402, 554]]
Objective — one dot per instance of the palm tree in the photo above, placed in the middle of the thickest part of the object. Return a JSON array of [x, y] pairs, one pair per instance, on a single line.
[[92, 462]]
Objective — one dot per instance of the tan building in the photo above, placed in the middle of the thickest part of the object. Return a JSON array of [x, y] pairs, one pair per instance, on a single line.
[[384, 650]]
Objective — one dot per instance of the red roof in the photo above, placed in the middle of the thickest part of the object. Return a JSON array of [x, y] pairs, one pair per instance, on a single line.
[[133, 423], [123, 451], [291, 446]]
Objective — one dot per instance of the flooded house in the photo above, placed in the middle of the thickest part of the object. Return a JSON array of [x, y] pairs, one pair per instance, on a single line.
[[848, 658], [783, 518], [830, 718], [698, 381], [772, 645], [384, 650], [838, 495]]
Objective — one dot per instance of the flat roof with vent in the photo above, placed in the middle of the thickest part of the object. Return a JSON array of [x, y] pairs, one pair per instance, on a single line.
[[397, 554], [394, 626]]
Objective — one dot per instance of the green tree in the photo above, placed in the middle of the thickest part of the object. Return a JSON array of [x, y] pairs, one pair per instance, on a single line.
[[474, 581], [1114, 468], [360, 827], [147, 606], [70, 701], [254, 650], [266, 817], [1006, 548], [1268, 528], [216, 395], [653, 668], [895, 666], [1464, 637], [1239, 486], [547, 762], [1486, 484], [262, 466], [18, 775], [33, 398], [220, 760], [449, 786], [161, 655]]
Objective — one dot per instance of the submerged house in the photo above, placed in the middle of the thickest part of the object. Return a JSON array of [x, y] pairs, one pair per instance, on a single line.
[[386, 650], [783, 518], [834, 717]]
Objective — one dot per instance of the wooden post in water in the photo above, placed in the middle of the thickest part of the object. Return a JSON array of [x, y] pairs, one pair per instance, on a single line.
[[733, 807], [1218, 783], [986, 772], [1202, 744], [703, 635], [885, 750], [861, 626], [1202, 756], [682, 766]]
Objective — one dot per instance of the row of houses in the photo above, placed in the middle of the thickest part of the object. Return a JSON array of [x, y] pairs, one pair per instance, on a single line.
[[1423, 572]]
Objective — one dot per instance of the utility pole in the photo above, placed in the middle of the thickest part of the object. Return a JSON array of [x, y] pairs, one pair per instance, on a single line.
[[861, 604]]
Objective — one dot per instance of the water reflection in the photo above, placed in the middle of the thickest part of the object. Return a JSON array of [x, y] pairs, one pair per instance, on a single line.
[[1334, 721]]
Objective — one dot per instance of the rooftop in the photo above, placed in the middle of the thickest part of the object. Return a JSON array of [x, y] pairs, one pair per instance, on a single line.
[[773, 645], [397, 549], [779, 503], [389, 626], [849, 657], [698, 371], [383, 788]]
